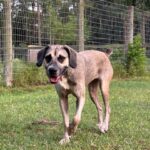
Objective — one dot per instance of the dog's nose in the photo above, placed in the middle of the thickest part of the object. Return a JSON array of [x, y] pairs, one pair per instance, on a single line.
[[52, 71]]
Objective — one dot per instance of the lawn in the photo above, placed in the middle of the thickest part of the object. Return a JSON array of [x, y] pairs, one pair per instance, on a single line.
[[21, 108]]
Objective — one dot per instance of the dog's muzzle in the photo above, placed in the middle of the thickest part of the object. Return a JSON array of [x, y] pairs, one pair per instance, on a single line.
[[55, 75]]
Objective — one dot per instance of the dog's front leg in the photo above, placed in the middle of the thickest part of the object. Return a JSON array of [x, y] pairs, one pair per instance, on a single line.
[[79, 107], [64, 109]]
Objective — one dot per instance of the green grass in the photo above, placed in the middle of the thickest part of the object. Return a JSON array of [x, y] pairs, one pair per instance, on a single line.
[[129, 125]]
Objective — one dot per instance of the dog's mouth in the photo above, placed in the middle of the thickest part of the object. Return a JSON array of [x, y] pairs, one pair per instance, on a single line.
[[54, 79]]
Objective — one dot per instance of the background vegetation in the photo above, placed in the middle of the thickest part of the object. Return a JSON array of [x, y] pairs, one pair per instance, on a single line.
[[136, 59], [27, 74], [133, 63], [62, 15]]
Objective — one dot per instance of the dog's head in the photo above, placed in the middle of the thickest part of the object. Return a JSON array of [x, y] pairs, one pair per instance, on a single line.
[[56, 59]]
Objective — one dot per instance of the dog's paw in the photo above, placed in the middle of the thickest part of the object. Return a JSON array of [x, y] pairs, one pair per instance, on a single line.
[[103, 127], [100, 126], [64, 141], [71, 129]]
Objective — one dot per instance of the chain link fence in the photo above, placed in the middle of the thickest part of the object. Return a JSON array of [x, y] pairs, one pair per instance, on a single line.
[[38, 23]]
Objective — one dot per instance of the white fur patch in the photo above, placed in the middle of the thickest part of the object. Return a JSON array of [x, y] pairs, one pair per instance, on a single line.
[[64, 83]]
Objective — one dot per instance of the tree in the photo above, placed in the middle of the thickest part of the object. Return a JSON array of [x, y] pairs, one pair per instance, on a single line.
[[62, 22], [142, 4], [26, 22], [105, 21], [55, 21], [62, 28]]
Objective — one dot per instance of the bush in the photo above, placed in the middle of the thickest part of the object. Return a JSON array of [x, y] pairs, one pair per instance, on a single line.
[[136, 58], [1, 73], [119, 70], [117, 60], [27, 74], [118, 55]]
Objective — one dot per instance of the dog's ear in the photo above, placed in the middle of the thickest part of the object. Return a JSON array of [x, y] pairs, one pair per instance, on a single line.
[[40, 55], [108, 52], [72, 56]]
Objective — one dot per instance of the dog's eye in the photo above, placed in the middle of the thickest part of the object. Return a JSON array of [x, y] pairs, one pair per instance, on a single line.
[[48, 58], [61, 59]]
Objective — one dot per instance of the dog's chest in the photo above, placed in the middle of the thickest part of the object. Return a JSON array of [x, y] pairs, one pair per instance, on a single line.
[[64, 83]]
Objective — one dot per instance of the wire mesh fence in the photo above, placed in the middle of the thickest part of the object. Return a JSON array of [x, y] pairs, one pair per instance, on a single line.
[[38, 23]]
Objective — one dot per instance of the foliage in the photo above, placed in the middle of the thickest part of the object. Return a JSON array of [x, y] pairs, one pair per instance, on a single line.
[[117, 59], [58, 21], [25, 21], [62, 32], [26, 74], [1, 72], [103, 19], [136, 58], [63, 25], [119, 70], [117, 54], [143, 4]]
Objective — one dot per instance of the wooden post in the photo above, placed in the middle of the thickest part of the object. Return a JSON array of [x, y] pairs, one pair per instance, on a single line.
[[129, 27], [143, 28], [8, 44], [39, 23], [131, 24], [50, 26], [81, 26]]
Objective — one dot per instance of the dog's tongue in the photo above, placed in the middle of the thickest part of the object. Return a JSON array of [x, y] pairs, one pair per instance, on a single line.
[[54, 80]]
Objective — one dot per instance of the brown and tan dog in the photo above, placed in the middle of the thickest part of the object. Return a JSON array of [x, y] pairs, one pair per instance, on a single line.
[[71, 72]]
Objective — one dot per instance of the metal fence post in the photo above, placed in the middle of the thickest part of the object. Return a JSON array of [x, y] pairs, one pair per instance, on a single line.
[[8, 44], [81, 26]]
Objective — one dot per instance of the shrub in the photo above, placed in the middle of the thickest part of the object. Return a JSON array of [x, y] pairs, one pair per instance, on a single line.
[[117, 60], [119, 70], [118, 55], [1, 73], [136, 58], [27, 74]]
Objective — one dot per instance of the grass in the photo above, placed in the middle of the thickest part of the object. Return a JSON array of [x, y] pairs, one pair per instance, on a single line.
[[129, 126]]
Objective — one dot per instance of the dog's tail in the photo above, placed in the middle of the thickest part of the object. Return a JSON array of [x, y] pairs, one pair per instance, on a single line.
[[108, 52]]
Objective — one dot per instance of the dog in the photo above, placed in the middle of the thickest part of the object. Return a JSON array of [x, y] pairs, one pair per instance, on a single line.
[[71, 72]]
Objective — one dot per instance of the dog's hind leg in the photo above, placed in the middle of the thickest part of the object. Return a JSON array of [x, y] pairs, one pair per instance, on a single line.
[[105, 94], [93, 91]]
